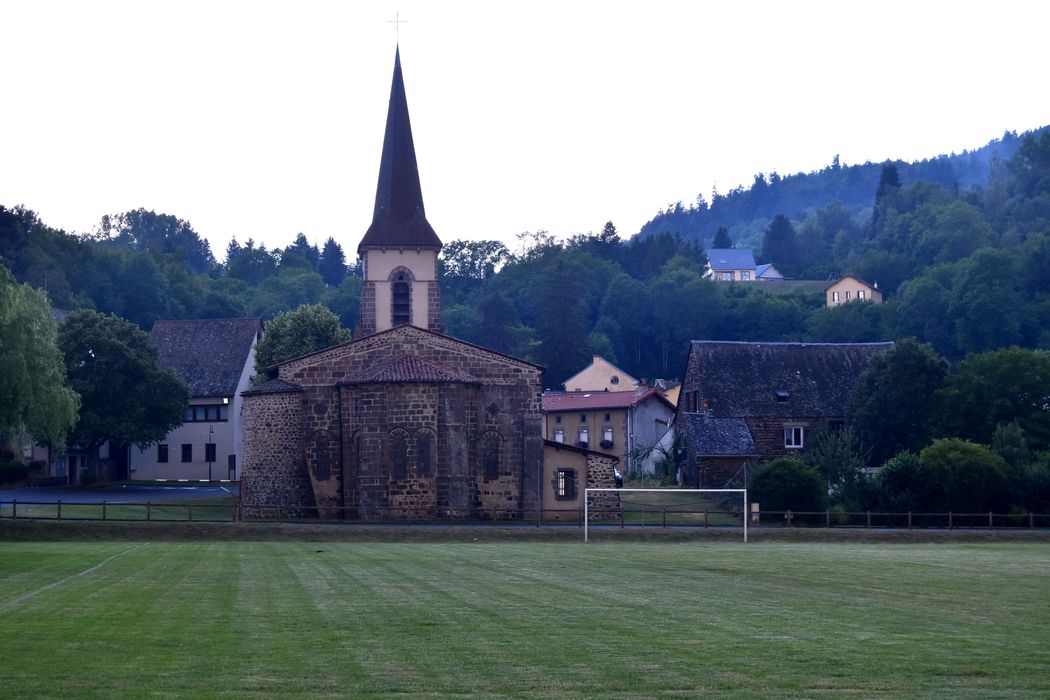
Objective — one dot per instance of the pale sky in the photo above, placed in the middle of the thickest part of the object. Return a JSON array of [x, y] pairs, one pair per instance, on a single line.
[[264, 119]]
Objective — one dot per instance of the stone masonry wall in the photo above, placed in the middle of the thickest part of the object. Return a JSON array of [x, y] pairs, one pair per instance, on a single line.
[[274, 473]]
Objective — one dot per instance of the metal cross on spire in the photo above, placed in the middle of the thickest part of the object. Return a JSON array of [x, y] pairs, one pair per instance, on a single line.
[[397, 22]]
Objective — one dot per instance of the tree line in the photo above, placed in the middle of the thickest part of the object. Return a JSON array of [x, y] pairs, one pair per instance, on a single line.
[[968, 438]]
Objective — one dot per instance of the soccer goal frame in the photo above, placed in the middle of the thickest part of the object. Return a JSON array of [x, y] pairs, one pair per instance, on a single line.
[[587, 501]]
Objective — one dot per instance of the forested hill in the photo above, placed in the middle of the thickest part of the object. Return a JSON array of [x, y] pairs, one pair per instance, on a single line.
[[747, 212]]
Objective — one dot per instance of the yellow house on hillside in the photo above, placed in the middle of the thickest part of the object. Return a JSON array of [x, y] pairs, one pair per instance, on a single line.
[[850, 288], [600, 375]]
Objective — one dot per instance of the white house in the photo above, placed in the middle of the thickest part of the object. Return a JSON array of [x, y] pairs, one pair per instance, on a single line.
[[216, 359]]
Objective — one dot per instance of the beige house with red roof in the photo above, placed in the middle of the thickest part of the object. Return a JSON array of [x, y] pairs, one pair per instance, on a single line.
[[622, 424]]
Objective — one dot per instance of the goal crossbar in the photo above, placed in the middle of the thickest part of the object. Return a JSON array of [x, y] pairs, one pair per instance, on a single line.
[[587, 491]]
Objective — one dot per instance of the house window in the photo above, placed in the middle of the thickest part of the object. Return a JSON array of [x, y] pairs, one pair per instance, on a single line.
[[860, 294], [847, 295], [727, 276], [583, 417], [794, 436], [162, 453], [565, 484], [492, 458], [209, 452], [607, 437], [559, 435], [835, 297], [187, 453], [608, 417], [614, 379], [401, 293], [216, 413], [557, 419], [582, 437], [745, 275]]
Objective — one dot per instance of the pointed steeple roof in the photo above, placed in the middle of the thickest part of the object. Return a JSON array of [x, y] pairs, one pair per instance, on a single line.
[[399, 219]]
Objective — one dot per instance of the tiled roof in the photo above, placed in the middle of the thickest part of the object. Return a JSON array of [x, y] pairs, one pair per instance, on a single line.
[[274, 386], [744, 379], [410, 368], [207, 354], [731, 259], [718, 436], [587, 400]]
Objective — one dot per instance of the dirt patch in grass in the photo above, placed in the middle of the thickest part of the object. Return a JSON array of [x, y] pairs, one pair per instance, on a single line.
[[49, 530]]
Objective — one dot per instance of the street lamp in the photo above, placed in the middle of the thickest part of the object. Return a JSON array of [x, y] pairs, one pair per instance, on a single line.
[[209, 449]]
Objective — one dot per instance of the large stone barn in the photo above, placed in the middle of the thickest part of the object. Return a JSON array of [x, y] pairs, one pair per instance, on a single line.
[[742, 402], [402, 422]]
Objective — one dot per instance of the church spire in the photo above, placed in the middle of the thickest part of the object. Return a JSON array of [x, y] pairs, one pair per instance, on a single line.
[[399, 220]]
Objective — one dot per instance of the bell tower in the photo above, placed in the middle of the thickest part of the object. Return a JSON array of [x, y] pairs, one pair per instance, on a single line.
[[399, 251]]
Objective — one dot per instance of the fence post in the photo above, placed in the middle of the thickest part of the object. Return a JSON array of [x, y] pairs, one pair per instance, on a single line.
[[664, 510], [149, 514], [103, 510], [1031, 521], [869, 520], [14, 509], [788, 516], [989, 520], [60, 509], [189, 511], [949, 520], [705, 519], [909, 519], [827, 518]]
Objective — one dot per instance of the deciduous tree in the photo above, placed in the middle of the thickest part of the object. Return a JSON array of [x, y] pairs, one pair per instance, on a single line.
[[309, 328], [34, 393], [127, 397]]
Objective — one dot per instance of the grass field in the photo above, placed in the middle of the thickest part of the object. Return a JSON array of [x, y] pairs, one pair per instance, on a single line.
[[629, 619]]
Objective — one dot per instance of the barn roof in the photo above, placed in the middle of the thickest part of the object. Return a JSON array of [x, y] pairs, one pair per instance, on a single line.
[[207, 354], [738, 379], [718, 436]]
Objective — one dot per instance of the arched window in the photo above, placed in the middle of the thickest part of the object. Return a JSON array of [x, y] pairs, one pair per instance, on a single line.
[[490, 456], [400, 297], [399, 454], [424, 453]]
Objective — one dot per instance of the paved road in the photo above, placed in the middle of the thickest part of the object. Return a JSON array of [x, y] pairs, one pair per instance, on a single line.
[[124, 493]]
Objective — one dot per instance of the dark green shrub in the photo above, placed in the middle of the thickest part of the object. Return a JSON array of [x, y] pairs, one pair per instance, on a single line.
[[788, 484], [12, 470], [963, 477], [901, 483]]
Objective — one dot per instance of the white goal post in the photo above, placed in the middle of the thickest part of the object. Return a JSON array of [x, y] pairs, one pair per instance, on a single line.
[[587, 491]]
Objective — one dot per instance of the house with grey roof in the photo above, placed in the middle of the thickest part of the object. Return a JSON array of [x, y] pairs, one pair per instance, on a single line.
[[742, 402], [737, 265], [216, 360]]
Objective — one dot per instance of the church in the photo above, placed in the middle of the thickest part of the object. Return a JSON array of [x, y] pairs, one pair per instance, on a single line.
[[403, 421]]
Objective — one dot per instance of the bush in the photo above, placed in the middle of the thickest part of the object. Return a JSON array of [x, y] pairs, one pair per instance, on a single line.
[[963, 477], [788, 484], [12, 470], [901, 483]]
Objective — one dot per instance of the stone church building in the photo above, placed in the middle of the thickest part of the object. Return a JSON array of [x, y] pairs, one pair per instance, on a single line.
[[403, 421]]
